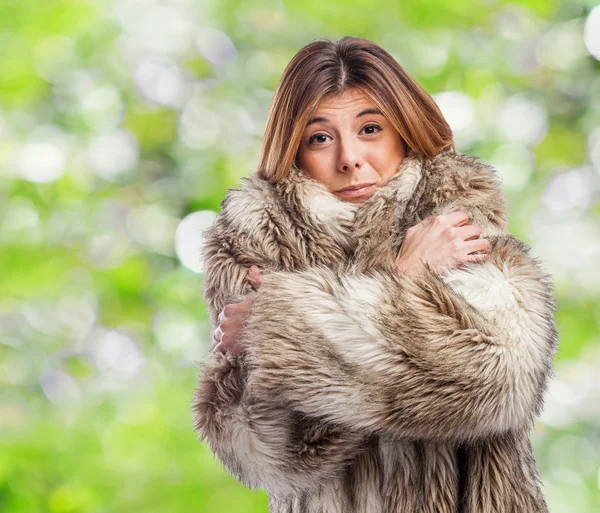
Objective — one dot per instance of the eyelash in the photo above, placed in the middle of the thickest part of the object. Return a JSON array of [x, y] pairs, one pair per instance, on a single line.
[[310, 139]]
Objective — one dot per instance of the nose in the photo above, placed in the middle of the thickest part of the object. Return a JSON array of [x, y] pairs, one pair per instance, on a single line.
[[349, 158]]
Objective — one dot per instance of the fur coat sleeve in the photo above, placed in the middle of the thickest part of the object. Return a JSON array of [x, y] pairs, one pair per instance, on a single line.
[[460, 357], [263, 444]]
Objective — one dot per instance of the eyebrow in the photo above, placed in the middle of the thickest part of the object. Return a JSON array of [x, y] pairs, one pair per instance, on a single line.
[[361, 113]]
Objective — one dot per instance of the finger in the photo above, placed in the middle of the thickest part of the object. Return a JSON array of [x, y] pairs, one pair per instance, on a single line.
[[254, 276], [218, 334], [221, 317], [468, 232], [220, 348], [458, 218], [482, 245], [477, 258]]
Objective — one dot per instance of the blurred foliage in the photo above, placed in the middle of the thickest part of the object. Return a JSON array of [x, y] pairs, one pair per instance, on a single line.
[[122, 124]]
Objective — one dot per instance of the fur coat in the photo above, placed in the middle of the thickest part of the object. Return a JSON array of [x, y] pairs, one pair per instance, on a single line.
[[362, 389]]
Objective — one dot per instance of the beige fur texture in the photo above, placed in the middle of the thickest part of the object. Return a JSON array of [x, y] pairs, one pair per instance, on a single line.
[[364, 390]]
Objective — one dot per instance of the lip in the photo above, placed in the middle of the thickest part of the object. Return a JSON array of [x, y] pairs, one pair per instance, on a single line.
[[356, 190]]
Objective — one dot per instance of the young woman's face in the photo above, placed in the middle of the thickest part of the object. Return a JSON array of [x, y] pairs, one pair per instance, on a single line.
[[347, 143]]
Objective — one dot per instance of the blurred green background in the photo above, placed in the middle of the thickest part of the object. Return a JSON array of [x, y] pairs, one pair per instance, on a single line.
[[122, 124]]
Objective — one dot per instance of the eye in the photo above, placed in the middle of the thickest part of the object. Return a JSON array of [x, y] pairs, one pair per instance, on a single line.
[[371, 126], [312, 138]]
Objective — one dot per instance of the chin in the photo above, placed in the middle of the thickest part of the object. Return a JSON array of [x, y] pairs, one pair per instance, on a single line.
[[355, 201]]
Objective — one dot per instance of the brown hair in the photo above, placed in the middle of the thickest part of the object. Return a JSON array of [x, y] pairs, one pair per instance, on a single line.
[[325, 68]]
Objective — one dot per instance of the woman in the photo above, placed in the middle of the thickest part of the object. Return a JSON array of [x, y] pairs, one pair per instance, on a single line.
[[393, 350]]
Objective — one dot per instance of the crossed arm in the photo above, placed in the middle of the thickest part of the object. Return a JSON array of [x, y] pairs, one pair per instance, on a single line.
[[262, 443], [333, 358], [458, 356]]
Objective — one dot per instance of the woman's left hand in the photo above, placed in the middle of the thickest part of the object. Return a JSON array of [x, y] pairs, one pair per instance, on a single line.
[[231, 320]]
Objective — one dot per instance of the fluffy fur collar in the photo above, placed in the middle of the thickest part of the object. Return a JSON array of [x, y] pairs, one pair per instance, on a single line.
[[312, 201], [330, 231]]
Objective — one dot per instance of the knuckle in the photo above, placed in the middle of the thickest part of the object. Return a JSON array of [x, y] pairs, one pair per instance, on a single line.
[[452, 242], [449, 233], [455, 245], [436, 220]]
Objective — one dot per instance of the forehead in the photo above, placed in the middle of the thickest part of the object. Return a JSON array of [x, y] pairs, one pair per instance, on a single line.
[[352, 99], [351, 104]]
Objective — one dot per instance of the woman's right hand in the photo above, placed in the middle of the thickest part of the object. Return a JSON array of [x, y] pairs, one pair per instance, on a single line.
[[443, 242], [231, 320]]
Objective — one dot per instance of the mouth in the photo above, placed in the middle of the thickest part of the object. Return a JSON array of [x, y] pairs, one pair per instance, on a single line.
[[358, 190]]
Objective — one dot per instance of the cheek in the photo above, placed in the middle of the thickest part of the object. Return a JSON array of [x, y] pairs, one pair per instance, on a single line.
[[317, 165], [390, 147], [386, 155]]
